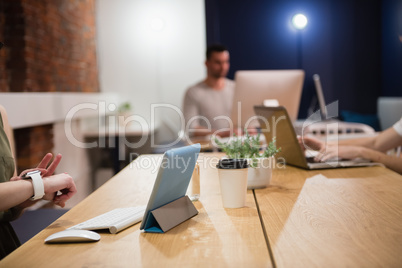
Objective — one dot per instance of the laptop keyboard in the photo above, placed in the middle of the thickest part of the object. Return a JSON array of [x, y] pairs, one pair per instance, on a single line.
[[114, 220], [332, 160], [311, 160]]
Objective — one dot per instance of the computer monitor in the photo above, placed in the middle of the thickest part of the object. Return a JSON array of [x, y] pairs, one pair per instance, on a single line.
[[253, 87]]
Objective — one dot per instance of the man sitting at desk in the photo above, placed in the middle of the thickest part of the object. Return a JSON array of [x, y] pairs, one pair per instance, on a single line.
[[207, 105]]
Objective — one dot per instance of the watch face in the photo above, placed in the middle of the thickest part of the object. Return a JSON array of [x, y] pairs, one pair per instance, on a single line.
[[31, 173]]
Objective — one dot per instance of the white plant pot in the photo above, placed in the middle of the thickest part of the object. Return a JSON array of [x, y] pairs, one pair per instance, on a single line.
[[260, 176]]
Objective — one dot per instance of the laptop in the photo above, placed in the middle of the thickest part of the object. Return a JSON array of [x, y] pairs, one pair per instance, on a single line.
[[172, 181], [275, 122]]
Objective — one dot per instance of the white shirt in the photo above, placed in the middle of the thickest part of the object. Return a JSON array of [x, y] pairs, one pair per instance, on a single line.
[[398, 127]]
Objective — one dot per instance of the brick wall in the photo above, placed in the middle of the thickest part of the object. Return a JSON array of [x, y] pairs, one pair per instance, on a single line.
[[36, 141], [3, 55], [49, 47]]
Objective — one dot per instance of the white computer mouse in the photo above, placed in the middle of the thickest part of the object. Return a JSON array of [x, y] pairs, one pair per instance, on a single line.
[[73, 236]]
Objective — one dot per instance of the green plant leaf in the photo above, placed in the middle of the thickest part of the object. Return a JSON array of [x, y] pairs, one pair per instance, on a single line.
[[248, 147]]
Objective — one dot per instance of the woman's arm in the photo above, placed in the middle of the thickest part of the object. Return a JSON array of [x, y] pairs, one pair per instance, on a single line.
[[390, 161], [369, 149], [13, 193], [352, 152], [386, 140]]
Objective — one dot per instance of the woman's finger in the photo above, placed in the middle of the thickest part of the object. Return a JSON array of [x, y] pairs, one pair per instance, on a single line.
[[53, 165], [45, 161]]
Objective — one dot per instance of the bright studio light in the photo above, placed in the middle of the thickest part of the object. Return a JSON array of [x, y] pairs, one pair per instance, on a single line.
[[299, 21]]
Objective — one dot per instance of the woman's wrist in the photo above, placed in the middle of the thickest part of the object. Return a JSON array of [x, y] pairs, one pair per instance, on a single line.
[[28, 193]]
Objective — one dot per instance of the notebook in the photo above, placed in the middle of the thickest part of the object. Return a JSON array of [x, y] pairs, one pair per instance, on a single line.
[[275, 122]]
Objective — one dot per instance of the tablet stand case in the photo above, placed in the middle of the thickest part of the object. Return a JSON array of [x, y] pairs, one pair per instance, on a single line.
[[170, 215]]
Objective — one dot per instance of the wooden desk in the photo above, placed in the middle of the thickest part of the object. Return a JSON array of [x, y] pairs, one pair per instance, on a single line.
[[355, 221], [216, 237], [351, 218]]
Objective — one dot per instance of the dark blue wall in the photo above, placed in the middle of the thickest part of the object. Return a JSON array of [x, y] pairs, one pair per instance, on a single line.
[[392, 48], [342, 43]]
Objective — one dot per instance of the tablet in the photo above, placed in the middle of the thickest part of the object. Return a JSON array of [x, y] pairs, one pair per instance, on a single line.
[[172, 181]]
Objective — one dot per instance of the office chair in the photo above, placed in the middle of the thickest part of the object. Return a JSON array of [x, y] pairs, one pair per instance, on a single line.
[[389, 110]]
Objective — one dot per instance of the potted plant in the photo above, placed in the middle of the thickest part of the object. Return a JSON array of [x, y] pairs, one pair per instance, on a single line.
[[260, 161]]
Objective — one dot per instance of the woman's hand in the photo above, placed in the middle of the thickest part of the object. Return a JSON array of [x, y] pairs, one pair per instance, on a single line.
[[310, 143], [340, 152], [42, 167], [46, 171], [62, 184]]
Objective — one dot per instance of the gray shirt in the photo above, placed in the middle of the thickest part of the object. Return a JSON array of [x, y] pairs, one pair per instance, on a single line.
[[207, 107]]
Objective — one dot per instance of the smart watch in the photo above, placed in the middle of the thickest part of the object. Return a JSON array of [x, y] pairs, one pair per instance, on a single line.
[[37, 182]]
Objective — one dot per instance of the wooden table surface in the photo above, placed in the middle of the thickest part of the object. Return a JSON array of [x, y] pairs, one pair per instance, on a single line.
[[352, 217], [216, 237], [349, 218]]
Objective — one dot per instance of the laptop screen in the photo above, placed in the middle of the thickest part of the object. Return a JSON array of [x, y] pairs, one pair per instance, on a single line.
[[275, 122]]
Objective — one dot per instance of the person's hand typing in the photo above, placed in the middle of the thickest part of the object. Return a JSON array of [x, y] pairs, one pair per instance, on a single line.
[[310, 143], [340, 152]]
